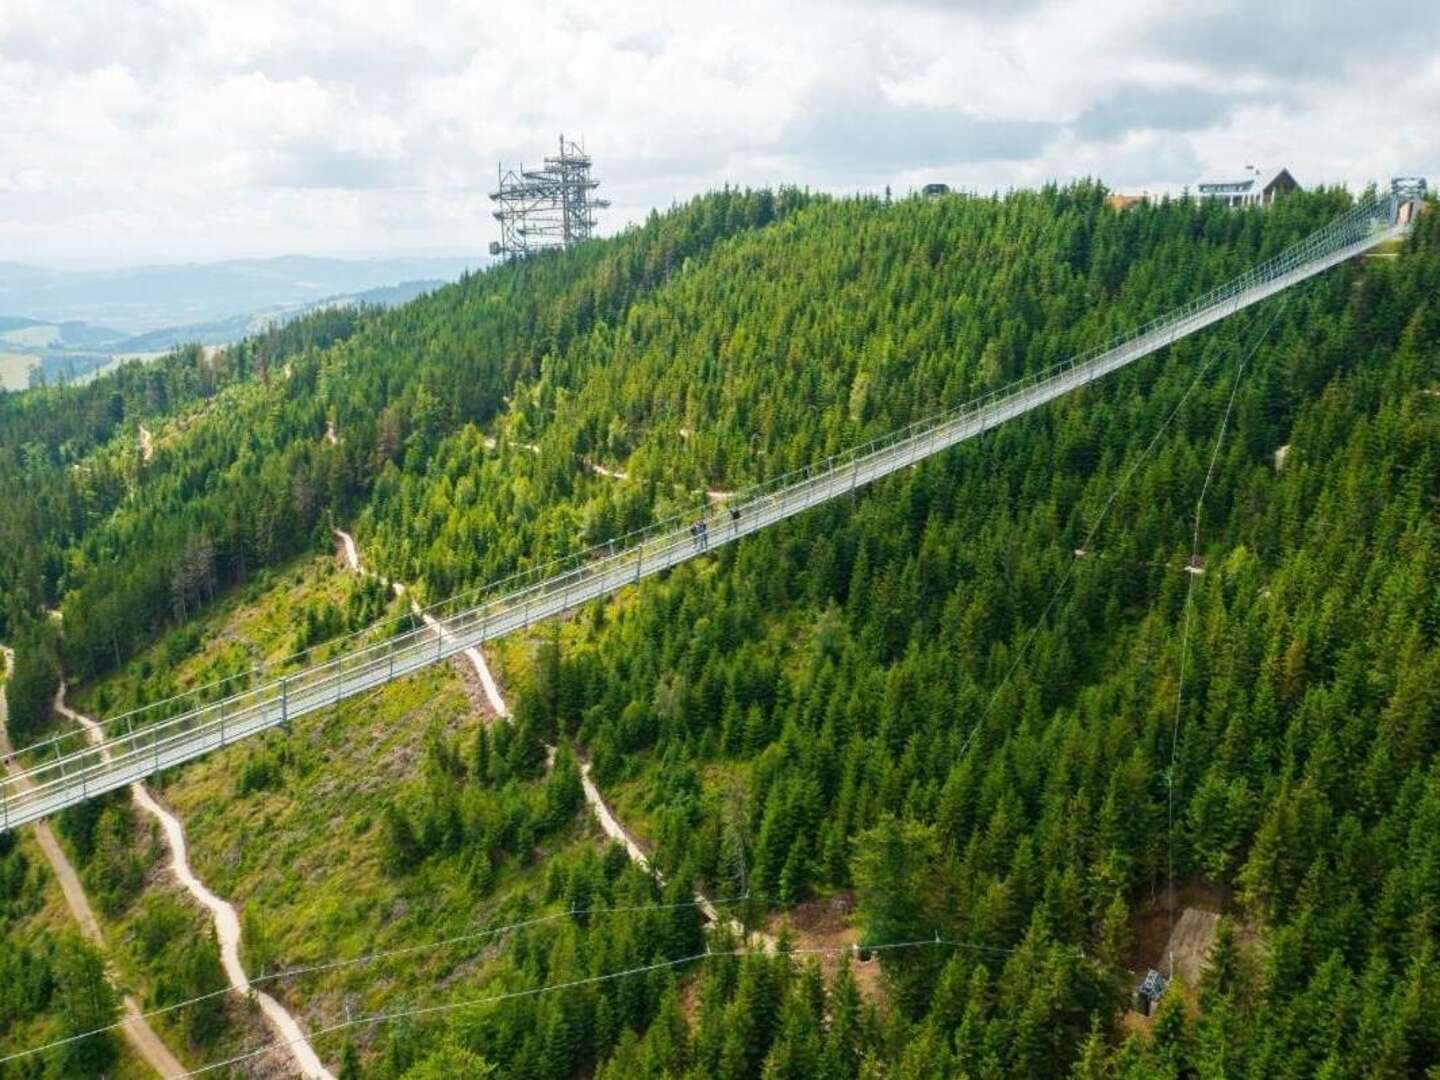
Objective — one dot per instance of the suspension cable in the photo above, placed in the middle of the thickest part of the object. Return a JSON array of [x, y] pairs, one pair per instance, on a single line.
[[1114, 496], [1192, 570], [1348, 228], [452, 1006], [368, 958]]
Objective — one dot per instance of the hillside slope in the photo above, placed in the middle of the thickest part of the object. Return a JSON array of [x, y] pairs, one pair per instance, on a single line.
[[953, 702]]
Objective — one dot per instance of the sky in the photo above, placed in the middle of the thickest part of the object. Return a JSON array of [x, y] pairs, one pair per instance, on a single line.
[[164, 130]]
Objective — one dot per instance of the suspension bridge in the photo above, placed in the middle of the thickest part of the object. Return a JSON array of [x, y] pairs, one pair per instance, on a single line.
[[74, 767]]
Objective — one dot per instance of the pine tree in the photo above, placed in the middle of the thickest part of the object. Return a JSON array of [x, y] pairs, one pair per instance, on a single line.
[[449, 1061], [84, 1002], [350, 1062], [400, 849]]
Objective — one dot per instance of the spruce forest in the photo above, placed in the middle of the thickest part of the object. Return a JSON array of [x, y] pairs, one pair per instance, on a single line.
[[948, 755]]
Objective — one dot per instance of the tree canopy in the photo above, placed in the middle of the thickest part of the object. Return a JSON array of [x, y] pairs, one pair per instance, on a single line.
[[955, 696]]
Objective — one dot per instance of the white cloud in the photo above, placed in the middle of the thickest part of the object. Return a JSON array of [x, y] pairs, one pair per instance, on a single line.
[[184, 128]]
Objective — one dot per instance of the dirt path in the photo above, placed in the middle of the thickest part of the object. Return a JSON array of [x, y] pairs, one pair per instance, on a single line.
[[609, 823], [473, 654], [347, 544], [601, 470], [618, 474], [491, 443], [227, 922], [1188, 952], [611, 826], [136, 1028], [147, 444]]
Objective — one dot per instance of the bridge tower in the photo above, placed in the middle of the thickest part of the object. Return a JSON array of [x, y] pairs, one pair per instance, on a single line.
[[1407, 195], [549, 207]]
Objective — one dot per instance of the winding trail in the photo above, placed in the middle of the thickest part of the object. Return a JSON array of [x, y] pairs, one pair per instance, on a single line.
[[611, 826], [227, 922], [136, 1029], [473, 654], [601, 470], [609, 823], [491, 443], [352, 556], [595, 467], [714, 496]]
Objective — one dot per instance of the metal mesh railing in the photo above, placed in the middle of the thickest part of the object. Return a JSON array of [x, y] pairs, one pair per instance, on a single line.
[[69, 768]]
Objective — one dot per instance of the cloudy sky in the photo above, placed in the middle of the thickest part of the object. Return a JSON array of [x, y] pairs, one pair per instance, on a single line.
[[180, 129]]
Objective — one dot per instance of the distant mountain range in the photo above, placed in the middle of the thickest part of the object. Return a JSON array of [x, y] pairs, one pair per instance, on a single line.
[[72, 323], [16, 331], [137, 299], [235, 327]]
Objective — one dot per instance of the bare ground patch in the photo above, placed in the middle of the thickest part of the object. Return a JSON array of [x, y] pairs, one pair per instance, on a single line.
[[1150, 926], [825, 924], [474, 691]]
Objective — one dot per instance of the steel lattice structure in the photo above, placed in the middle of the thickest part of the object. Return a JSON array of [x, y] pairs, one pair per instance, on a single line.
[[551, 207], [69, 769]]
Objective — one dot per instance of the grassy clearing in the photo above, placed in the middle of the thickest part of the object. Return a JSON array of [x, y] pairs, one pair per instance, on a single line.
[[301, 858], [281, 620], [47, 917], [42, 917], [102, 369], [287, 826], [15, 370], [31, 336], [149, 943]]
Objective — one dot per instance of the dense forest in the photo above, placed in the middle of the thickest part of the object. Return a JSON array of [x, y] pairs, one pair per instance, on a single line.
[[956, 697], [247, 478]]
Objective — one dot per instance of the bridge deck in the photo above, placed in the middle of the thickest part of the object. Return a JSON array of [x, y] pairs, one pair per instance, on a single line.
[[134, 749]]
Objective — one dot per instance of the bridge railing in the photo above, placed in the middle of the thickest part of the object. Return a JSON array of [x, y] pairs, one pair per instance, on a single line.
[[147, 739]]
